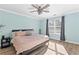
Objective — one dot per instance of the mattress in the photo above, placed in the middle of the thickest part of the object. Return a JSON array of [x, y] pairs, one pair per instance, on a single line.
[[28, 43]]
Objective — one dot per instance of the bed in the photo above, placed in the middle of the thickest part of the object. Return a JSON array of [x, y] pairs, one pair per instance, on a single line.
[[25, 44]]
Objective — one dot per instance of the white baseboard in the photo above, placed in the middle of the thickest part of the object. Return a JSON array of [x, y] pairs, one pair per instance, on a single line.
[[69, 41], [72, 42]]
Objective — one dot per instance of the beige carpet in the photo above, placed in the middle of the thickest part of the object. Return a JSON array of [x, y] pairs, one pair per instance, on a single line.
[[54, 48]]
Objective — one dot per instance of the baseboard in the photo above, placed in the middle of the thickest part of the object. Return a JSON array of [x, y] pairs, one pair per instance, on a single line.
[[67, 41], [72, 42]]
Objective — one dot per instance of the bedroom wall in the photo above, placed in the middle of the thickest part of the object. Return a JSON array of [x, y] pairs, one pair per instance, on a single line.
[[72, 27], [43, 26], [13, 21]]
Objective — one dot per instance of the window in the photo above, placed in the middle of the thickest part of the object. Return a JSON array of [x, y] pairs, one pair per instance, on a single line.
[[54, 26]]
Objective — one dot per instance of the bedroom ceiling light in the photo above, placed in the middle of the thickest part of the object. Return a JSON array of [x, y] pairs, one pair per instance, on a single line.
[[40, 8]]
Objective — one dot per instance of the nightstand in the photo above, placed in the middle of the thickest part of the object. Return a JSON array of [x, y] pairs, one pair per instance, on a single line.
[[5, 42]]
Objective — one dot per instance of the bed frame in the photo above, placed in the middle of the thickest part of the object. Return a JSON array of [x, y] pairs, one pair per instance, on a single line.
[[22, 30]]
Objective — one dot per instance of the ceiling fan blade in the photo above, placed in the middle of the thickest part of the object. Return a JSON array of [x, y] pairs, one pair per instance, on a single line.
[[35, 6], [45, 6], [33, 11], [45, 11], [41, 5]]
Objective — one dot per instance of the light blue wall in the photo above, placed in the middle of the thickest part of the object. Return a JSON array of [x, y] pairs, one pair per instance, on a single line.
[[72, 27], [12, 21], [43, 26]]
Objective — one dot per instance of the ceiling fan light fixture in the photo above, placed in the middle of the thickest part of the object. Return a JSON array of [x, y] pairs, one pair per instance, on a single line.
[[40, 8]]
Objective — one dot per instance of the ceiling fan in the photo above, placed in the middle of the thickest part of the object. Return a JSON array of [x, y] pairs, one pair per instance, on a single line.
[[40, 8]]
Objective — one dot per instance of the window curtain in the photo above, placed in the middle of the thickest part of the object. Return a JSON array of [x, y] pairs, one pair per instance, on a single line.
[[47, 29], [62, 35]]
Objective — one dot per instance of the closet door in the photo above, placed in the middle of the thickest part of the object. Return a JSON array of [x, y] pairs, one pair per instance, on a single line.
[[54, 26]]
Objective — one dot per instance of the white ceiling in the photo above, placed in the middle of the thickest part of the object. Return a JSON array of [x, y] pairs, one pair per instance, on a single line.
[[58, 9]]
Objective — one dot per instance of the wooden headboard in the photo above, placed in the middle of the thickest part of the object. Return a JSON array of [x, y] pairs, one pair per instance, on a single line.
[[22, 30]]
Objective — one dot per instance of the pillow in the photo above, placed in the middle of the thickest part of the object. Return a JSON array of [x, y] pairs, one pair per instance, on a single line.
[[28, 33], [23, 33], [20, 33], [13, 34]]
